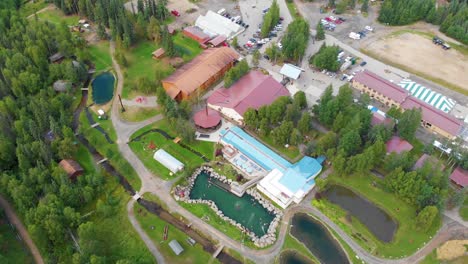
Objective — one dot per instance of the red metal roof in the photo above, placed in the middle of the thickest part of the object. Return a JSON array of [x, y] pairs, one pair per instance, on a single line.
[[381, 85], [434, 116], [398, 145], [460, 177], [253, 90], [378, 119], [196, 32], [207, 118], [427, 158], [218, 40]]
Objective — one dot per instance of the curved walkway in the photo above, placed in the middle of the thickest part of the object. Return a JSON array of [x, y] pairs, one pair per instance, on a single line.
[[21, 230], [162, 189], [149, 243]]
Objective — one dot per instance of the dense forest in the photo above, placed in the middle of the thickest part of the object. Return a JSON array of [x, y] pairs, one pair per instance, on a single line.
[[36, 133], [452, 17]]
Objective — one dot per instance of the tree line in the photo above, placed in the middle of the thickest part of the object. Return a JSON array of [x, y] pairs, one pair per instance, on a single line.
[[451, 17], [113, 15], [270, 19], [285, 120], [235, 73], [356, 147], [35, 134]]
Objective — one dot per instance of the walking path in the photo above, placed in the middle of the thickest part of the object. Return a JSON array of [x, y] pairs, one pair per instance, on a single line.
[[162, 188], [21, 230]]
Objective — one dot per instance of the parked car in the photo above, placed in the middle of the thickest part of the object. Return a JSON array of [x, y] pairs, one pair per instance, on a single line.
[[266, 57], [363, 63], [281, 18], [272, 35], [175, 13], [328, 19], [341, 19], [265, 10], [280, 46]]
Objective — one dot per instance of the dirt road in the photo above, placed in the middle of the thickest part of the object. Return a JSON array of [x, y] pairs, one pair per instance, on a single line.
[[21, 230]]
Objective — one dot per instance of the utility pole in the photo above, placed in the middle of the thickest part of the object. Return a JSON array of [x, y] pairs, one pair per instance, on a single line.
[[120, 100]]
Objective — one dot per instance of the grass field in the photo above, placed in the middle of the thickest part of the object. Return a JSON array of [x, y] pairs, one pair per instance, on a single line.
[[464, 210], [137, 114], [210, 217], [406, 240], [30, 8], [56, 16], [110, 151], [190, 160], [141, 64], [100, 55], [154, 227], [186, 47], [126, 243], [12, 250]]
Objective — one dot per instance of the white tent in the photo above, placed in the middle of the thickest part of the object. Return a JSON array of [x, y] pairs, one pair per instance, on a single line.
[[168, 161], [291, 71], [214, 24], [176, 247]]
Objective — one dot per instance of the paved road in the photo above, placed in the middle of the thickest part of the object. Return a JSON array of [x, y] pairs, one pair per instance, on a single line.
[[10, 213], [162, 188]]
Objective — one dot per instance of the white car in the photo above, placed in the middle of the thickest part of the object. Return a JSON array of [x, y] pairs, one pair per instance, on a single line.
[[280, 46], [368, 28]]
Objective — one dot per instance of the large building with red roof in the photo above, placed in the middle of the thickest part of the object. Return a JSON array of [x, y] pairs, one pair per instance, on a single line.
[[253, 90], [391, 94], [379, 88], [459, 177], [434, 119], [200, 73]]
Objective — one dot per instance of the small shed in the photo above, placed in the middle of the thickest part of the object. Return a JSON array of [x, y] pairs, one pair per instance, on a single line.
[[398, 145], [61, 86], [459, 177], [176, 247], [159, 53], [71, 167], [168, 161], [56, 58], [291, 71]]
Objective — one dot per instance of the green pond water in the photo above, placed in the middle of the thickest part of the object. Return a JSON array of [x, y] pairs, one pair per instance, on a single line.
[[294, 257], [244, 210], [103, 88], [317, 239]]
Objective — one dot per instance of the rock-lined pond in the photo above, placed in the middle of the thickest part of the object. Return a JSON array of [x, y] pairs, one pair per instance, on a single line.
[[317, 239], [244, 210], [374, 218], [103, 88]]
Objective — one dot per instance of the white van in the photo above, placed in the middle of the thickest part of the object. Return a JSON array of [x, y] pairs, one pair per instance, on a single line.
[[222, 11]]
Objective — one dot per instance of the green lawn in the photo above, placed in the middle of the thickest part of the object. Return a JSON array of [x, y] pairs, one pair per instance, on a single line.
[[30, 8], [186, 47], [431, 258], [100, 55], [406, 240], [464, 210], [141, 64], [137, 114], [56, 16], [12, 250], [190, 160], [154, 227], [291, 243], [110, 151], [209, 216]]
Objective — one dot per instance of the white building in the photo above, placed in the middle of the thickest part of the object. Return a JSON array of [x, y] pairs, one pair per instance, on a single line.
[[214, 24], [168, 161]]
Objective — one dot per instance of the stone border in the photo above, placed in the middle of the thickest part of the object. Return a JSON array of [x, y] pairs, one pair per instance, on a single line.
[[182, 193]]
